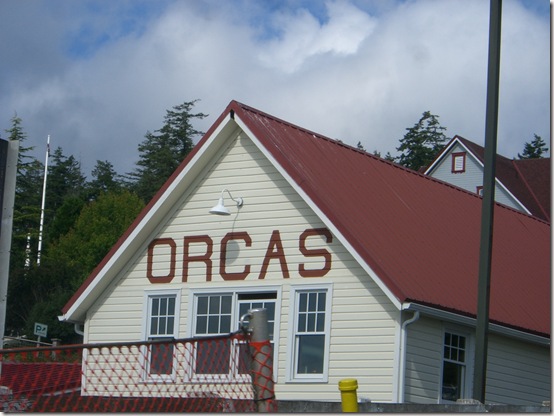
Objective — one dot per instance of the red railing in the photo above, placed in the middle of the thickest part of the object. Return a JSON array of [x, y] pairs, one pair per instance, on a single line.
[[188, 375]]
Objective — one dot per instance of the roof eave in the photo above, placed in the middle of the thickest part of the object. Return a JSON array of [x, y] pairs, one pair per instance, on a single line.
[[472, 322]]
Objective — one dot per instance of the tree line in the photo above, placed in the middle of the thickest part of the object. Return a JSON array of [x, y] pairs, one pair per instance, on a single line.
[[427, 138], [84, 218]]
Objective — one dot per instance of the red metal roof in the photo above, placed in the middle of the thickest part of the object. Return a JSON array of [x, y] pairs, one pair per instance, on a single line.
[[420, 236]]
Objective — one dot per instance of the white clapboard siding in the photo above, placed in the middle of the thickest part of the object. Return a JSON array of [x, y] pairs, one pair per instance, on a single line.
[[517, 373], [423, 361], [363, 326], [470, 179]]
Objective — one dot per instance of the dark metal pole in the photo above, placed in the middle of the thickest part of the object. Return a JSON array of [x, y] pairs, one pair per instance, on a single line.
[[9, 155], [487, 211]]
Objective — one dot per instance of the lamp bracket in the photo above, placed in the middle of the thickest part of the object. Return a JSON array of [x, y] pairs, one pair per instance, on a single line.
[[239, 201]]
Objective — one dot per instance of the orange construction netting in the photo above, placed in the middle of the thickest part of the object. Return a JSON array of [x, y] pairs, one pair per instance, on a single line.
[[216, 374]]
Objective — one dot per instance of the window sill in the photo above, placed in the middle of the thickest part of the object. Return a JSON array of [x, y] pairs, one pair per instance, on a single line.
[[307, 380]]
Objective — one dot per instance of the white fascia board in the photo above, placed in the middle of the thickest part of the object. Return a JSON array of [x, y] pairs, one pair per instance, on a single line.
[[440, 157], [328, 223], [146, 226], [472, 322]]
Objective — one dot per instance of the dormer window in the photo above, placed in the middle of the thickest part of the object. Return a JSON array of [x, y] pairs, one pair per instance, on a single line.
[[458, 162]]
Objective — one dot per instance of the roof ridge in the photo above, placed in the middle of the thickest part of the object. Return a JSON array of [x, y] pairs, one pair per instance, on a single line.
[[281, 121], [380, 159], [337, 142]]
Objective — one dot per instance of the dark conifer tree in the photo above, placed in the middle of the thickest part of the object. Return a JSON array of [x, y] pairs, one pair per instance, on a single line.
[[28, 192], [421, 144], [534, 149], [162, 151]]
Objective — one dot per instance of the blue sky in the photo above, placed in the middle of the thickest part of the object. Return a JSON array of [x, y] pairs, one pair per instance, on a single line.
[[106, 23], [96, 75]]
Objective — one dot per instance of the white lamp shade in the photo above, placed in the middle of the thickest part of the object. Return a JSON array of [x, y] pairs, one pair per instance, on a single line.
[[220, 209]]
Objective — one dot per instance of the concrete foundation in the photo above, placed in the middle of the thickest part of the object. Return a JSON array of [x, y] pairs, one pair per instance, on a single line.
[[300, 406]]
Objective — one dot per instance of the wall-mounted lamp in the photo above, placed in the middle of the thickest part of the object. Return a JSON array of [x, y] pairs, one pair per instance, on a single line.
[[220, 208]]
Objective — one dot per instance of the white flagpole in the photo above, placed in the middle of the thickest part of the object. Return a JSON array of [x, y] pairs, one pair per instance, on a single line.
[[28, 252], [43, 198]]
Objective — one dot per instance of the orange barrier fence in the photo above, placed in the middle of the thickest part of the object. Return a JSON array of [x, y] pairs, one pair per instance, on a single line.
[[187, 375]]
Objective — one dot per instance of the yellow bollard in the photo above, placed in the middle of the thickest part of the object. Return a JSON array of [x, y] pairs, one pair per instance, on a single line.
[[349, 397]]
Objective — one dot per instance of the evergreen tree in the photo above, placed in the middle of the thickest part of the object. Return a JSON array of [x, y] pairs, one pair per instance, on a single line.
[[65, 179], [39, 293], [534, 149], [162, 151], [105, 179], [47, 309], [15, 132], [28, 191], [26, 220], [422, 142], [78, 235], [98, 227], [389, 157], [65, 217], [34, 290]]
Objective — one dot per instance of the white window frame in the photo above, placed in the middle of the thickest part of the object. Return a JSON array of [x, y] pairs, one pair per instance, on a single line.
[[468, 364], [292, 356], [232, 367], [234, 292], [148, 296]]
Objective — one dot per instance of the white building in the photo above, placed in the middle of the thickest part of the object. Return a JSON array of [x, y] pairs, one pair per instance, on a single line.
[[368, 270]]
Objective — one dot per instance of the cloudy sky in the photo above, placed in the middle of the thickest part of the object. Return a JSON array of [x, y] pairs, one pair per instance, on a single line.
[[97, 75]]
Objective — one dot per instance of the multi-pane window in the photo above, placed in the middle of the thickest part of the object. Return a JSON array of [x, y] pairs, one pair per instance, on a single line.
[[161, 326], [311, 337], [454, 366], [213, 317], [213, 314], [218, 314]]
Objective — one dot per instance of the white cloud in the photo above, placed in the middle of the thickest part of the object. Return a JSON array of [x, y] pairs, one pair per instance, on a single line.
[[303, 36], [348, 75]]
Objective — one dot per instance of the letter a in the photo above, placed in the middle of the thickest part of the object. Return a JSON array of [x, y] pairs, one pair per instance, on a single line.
[[275, 251]]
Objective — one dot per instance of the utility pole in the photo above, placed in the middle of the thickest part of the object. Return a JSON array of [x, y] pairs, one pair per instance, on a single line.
[[8, 174], [487, 210]]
